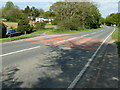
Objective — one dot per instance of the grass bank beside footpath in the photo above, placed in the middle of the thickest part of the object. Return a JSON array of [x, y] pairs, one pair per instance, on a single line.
[[116, 37], [39, 32]]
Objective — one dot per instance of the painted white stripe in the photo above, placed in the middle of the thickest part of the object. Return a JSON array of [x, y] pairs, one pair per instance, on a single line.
[[84, 35], [93, 32], [72, 38], [67, 40], [78, 77], [19, 51]]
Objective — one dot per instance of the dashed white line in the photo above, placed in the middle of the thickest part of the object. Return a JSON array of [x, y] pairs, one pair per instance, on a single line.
[[19, 51], [67, 40]]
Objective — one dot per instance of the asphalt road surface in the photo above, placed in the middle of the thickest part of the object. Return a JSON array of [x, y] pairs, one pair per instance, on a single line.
[[51, 61]]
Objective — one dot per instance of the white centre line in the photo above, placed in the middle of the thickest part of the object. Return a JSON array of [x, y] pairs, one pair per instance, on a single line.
[[72, 38], [67, 40], [94, 32], [19, 51]]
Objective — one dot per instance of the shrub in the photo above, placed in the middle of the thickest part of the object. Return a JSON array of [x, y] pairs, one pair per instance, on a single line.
[[69, 24], [40, 25], [54, 22], [2, 30], [24, 26]]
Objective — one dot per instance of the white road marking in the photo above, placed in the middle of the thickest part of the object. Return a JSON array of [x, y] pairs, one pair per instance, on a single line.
[[75, 37], [93, 32], [78, 77], [84, 35], [19, 51], [67, 40]]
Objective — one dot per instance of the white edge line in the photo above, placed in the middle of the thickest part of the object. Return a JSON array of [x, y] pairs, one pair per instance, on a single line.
[[78, 77], [19, 51]]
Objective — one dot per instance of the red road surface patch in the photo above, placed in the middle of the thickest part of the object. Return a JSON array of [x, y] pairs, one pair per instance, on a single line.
[[86, 43], [52, 40], [91, 45]]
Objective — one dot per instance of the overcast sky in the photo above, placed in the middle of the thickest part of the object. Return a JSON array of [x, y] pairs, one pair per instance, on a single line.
[[106, 7]]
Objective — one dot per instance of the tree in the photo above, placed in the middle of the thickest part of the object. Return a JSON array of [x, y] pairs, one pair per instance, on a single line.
[[76, 15], [2, 30], [102, 20], [27, 10], [35, 12], [41, 11], [112, 19], [40, 25], [1, 13], [24, 26], [11, 12], [9, 5], [33, 8], [49, 14]]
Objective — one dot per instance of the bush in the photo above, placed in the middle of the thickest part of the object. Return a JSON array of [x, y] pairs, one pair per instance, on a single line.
[[2, 30], [54, 22], [69, 24], [40, 25], [24, 26]]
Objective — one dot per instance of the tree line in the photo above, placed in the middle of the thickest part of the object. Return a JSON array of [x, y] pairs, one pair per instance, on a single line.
[[113, 19], [14, 13]]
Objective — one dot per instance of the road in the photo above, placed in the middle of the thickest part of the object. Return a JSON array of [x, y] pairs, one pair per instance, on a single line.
[[51, 61]]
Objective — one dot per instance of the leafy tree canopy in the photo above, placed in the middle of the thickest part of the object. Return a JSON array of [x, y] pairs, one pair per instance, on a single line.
[[80, 14], [112, 19]]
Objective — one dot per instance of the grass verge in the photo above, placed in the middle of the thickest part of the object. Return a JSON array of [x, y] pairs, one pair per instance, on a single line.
[[116, 37], [42, 31], [57, 31], [36, 33], [17, 38]]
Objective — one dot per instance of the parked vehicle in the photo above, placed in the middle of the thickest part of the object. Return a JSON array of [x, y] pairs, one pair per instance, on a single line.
[[12, 33]]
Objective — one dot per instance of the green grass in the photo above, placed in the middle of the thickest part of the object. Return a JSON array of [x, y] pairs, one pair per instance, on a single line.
[[57, 31], [42, 31], [116, 37], [36, 33], [17, 38]]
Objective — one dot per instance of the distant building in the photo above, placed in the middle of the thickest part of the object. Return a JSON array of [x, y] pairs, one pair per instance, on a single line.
[[41, 19], [3, 19], [51, 19]]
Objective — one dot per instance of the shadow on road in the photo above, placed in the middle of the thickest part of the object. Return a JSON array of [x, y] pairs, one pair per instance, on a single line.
[[70, 61], [9, 81], [58, 70]]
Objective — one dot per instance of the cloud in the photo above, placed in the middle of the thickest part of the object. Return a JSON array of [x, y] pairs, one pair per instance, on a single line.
[[107, 8]]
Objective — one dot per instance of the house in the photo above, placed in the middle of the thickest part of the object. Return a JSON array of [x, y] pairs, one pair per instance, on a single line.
[[41, 19], [51, 19]]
